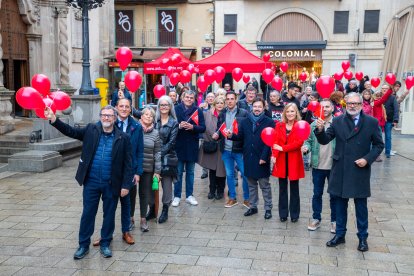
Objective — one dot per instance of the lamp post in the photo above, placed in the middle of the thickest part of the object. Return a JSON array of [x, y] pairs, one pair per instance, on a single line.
[[85, 5]]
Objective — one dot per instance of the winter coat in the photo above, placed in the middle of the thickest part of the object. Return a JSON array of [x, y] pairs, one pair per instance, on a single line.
[[367, 107], [291, 145], [187, 142], [211, 161], [392, 109], [115, 97], [168, 136], [152, 152], [314, 147], [347, 180], [240, 115], [378, 110], [121, 173]]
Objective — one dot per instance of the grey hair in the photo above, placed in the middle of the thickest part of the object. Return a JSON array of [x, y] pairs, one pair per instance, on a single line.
[[190, 92], [172, 110], [151, 110], [109, 107], [353, 94], [275, 91]]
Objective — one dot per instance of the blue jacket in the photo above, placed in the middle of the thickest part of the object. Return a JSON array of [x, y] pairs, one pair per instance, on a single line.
[[134, 130], [187, 142], [114, 98], [100, 170], [121, 173], [254, 149]]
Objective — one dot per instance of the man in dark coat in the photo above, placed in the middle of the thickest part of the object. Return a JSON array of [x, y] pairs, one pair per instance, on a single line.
[[358, 144], [393, 112], [189, 129], [120, 93], [256, 156], [104, 171]]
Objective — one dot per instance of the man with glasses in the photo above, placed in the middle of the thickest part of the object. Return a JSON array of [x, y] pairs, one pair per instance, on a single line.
[[358, 144], [104, 170]]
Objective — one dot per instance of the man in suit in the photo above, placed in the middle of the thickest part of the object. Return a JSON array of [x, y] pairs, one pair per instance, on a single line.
[[120, 93], [358, 144], [104, 171]]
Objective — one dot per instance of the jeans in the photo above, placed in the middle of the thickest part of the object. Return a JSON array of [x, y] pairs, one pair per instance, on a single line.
[[189, 179], [361, 212], [125, 212], [92, 192], [388, 131], [318, 178], [229, 158]]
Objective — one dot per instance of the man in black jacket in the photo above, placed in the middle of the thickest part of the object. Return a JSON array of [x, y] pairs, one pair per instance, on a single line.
[[358, 144], [393, 112], [104, 171]]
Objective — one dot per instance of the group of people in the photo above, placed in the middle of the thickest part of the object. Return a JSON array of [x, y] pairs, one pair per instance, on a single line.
[[122, 157]]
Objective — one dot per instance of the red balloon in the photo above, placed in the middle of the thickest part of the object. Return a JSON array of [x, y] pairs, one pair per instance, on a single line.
[[359, 75], [169, 70], [325, 85], [159, 91], [220, 73], [338, 76], [268, 136], [29, 98], [390, 78], [133, 81], [202, 84], [40, 112], [165, 62], [284, 66], [176, 59], [277, 83], [246, 78], [375, 82], [409, 82], [61, 100], [302, 129], [124, 57], [174, 78], [268, 75], [210, 76], [237, 74], [185, 76], [41, 83], [196, 70], [345, 65], [303, 76], [313, 106], [190, 68], [348, 75], [266, 57]]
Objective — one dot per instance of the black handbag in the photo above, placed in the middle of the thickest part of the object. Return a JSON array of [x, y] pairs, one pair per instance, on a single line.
[[210, 146], [169, 165]]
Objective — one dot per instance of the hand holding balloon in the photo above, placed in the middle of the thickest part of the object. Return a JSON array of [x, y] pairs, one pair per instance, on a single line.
[[277, 147], [49, 114]]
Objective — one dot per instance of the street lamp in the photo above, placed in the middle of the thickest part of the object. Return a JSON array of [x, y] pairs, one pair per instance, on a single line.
[[85, 5]]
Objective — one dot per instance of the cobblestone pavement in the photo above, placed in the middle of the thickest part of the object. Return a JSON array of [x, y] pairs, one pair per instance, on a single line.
[[40, 213]]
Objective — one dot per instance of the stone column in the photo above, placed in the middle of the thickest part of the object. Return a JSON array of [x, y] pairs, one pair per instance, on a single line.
[[6, 121]]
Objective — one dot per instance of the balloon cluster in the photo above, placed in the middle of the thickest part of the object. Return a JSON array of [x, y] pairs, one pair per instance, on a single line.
[[301, 129], [132, 79], [38, 96], [270, 77]]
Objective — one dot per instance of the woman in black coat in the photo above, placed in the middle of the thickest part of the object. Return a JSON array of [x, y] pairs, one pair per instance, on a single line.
[[166, 123]]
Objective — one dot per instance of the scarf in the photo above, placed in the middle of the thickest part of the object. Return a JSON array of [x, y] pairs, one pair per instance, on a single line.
[[145, 128], [255, 119]]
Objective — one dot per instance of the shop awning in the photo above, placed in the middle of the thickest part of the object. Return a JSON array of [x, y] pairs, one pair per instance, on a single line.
[[233, 55], [291, 45], [154, 67]]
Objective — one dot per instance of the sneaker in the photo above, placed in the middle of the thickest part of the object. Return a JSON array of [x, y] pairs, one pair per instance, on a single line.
[[230, 203], [191, 200], [246, 204], [333, 227], [176, 202], [204, 175], [315, 224], [392, 153]]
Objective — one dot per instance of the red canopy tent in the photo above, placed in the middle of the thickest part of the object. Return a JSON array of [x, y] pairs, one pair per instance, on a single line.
[[154, 67], [233, 55]]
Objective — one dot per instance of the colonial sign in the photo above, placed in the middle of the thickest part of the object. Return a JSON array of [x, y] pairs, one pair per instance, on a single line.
[[124, 22], [167, 25], [295, 54]]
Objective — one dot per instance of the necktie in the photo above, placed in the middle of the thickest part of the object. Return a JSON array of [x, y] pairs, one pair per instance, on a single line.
[[121, 125], [355, 121]]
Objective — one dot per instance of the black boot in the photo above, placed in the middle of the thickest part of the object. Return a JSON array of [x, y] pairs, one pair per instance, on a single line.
[[164, 214], [151, 213]]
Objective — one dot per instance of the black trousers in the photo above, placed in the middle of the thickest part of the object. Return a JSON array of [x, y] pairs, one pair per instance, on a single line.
[[146, 195], [286, 207], [217, 184]]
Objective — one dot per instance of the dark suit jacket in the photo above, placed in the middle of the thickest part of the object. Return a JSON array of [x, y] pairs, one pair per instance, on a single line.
[[364, 140]]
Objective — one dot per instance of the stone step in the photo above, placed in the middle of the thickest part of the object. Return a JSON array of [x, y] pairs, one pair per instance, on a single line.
[[3, 167], [11, 151], [14, 144], [4, 158]]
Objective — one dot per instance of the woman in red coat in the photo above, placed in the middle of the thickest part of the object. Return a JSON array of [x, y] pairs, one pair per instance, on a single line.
[[289, 163]]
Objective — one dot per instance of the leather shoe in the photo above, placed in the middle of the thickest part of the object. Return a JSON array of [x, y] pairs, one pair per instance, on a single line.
[[335, 241], [106, 252], [250, 212], [211, 195], [294, 220], [128, 238], [268, 214], [96, 242], [283, 219], [80, 253], [363, 245], [219, 196]]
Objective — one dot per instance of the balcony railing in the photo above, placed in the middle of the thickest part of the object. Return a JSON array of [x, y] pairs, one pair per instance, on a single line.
[[149, 38]]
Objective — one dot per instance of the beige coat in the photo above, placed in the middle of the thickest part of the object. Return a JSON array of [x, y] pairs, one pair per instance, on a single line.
[[211, 161]]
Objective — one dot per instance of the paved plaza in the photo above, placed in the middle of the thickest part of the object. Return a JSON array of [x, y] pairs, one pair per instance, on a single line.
[[40, 213]]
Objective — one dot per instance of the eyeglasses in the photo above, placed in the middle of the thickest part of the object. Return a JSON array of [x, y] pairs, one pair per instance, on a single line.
[[106, 116], [164, 105], [353, 103]]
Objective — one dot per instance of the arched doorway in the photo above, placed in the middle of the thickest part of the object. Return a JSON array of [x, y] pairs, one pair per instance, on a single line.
[[297, 39], [15, 50]]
